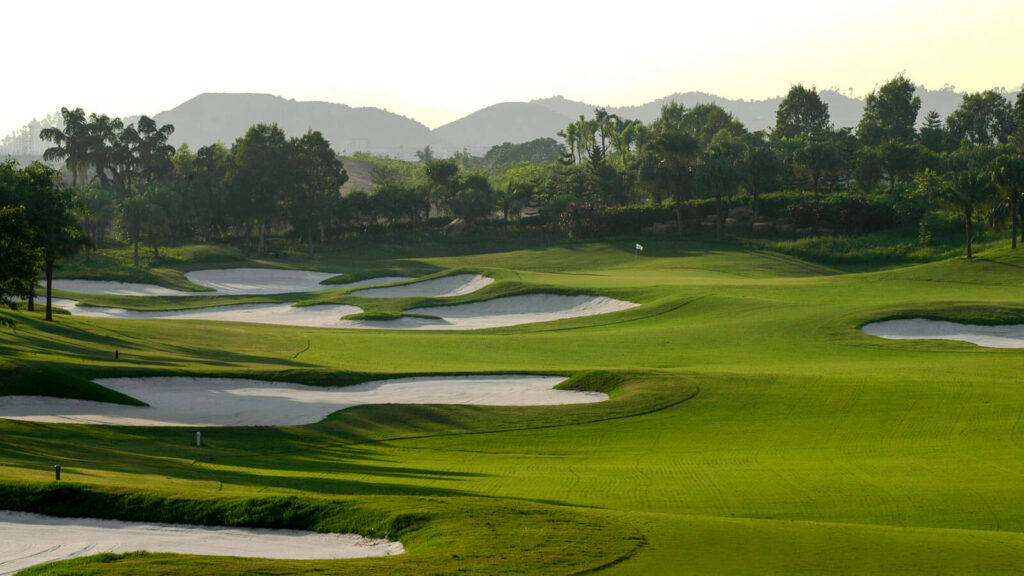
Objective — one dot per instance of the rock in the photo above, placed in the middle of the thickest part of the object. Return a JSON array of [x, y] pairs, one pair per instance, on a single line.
[[456, 228], [662, 228], [731, 222], [742, 213], [762, 227]]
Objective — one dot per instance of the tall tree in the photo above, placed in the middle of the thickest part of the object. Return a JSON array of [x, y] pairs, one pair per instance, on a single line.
[[70, 144], [818, 156], [706, 121], [761, 165], [319, 175], [260, 176], [967, 189], [474, 200], [671, 165], [933, 133], [719, 170], [50, 211], [155, 155], [103, 134], [1008, 174], [443, 176], [209, 190], [802, 113], [135, 213], [20, 259], [97, 209], [983, 118], [890, 113]]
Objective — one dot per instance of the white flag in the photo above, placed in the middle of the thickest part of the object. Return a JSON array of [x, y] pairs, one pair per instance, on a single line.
[[639, 248]]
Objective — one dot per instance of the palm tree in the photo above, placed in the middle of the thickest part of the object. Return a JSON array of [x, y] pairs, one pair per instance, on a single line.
[[154, 153], [719, 170], [675, 152], [966, 192], [760, 163], [71, 143], [1009, 177], [103, 134]]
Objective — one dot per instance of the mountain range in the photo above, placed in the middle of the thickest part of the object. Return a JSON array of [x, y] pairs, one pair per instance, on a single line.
[[213, 117]]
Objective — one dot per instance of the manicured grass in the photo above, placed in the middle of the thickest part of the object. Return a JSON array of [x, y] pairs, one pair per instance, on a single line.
[[752, 428]]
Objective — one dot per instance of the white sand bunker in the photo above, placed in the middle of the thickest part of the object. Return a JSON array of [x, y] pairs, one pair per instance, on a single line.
[[373, 282], [443, 287], [230, 281], [508, 311], [31, 539], [1010, 336], [316, 316], [118, 288], [259, 280], [183, 401]]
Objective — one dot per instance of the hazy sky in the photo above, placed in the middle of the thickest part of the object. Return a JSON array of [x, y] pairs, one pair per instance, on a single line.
[[436, 60]]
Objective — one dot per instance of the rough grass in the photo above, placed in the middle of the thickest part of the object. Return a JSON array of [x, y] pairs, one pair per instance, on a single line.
[[752, 427]]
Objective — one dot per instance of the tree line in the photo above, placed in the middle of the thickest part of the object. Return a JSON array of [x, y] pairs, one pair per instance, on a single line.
[[689, 155], [131, 179], [128, 180]]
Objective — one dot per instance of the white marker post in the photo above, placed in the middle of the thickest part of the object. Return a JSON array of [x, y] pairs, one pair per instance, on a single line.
[[639, 249], [199, 439]]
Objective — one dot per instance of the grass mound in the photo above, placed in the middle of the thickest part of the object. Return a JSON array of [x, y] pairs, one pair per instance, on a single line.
[[471, 536], [40, 380], [75, 501]]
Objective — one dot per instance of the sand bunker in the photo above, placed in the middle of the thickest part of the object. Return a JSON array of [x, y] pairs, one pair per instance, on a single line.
[[259, 280], [31, 539], [373, 282], [229, 281], [1010, 336], [443, 287], [316, 316], [118, 288], [495, 313], [183, 401], [508, 311]]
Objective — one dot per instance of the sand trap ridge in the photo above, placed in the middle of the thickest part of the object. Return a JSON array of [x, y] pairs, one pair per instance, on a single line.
[[316, 316], [228, 281], [1009, 336], [498, 312], [443, 287], [31, 539], [373, 282], [259, 280], [183, 401], [118, 288]]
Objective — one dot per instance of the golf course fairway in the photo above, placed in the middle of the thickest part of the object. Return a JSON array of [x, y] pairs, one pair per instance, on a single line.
[[752, 427]]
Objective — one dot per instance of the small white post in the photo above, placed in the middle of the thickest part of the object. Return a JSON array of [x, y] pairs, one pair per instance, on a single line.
[[199, 438]]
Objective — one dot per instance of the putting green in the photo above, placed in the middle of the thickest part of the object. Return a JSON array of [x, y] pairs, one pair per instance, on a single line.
[[752, 427]]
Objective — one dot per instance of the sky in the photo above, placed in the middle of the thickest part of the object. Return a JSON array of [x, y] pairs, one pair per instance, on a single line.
[[438, 60]]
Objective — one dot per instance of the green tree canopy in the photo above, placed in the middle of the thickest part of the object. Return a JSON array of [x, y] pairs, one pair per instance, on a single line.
[[802, 113], [890, 113], [318, 177], [983, 118], [71, 143], [260, 176], [20, 259]]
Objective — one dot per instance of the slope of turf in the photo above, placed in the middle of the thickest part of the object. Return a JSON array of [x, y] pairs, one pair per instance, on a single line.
[[753, 429]]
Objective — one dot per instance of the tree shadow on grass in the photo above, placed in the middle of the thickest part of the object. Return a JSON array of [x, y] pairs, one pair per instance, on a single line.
[[85, 460], [68, 343]]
